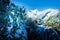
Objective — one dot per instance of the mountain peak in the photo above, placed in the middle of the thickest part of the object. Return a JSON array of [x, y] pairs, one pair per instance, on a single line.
[[42, 14]]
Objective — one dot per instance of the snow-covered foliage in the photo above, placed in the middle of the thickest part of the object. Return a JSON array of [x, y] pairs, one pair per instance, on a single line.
[[11, 22]]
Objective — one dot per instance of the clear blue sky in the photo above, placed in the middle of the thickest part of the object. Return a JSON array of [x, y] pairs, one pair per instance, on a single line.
[[39, 4]]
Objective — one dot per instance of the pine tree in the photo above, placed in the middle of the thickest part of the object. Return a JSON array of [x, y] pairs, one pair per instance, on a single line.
[[11, 22]]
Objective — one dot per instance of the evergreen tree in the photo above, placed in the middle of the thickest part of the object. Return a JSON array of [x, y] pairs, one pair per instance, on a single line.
[[11, 22]]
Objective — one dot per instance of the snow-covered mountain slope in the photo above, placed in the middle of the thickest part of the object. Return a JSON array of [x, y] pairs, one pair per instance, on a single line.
[[45, 14]]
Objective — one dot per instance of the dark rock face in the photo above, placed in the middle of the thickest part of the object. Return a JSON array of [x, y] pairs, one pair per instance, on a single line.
[[37, 34], [43, 34], [52, 34]]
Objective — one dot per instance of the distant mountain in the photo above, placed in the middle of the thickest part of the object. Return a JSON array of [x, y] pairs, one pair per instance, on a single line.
[[45, 14]]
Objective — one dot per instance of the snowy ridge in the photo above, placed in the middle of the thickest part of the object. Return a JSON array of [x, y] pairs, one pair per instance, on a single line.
[[45, 14]]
